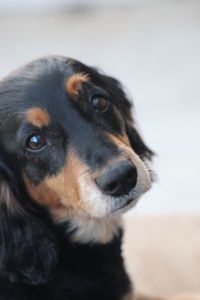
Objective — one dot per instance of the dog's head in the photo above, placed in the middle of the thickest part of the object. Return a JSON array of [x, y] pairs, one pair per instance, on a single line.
[[68, 147], [67, 132]]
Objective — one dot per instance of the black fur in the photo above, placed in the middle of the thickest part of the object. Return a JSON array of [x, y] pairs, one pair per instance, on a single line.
[[37, 259]]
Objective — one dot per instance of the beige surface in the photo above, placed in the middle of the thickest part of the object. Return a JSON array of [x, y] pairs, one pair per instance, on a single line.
[[163, 254]]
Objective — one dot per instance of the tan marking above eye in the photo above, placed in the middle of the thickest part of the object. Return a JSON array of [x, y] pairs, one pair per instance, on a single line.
[[73, 83], [38, 117]]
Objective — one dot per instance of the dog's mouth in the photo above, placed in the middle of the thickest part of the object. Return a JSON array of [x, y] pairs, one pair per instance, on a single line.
[[122, 205]]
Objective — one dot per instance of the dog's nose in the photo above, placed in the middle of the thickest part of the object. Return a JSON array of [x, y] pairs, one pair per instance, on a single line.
[[119, 179]]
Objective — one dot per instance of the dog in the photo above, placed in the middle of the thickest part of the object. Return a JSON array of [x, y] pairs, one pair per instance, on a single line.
[[71, 163]]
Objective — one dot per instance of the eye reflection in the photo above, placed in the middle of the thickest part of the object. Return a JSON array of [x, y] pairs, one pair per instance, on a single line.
[[35, 142], [99, 103]]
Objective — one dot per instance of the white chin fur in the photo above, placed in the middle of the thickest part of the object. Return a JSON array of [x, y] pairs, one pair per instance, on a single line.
[[94, 230]]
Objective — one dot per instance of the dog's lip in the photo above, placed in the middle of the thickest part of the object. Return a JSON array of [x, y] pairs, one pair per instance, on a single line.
[[125, 206]]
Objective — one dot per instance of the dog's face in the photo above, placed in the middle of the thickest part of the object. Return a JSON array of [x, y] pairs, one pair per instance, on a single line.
[[67, 132]]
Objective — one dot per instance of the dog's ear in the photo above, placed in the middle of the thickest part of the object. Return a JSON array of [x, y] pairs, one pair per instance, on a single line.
[[125, 107], [28, 249]]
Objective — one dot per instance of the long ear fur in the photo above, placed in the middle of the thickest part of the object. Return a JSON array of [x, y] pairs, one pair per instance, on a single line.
[[28, 251], [137, 142]]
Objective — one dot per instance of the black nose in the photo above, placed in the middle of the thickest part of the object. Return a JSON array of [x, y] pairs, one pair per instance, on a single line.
[[119, 179]]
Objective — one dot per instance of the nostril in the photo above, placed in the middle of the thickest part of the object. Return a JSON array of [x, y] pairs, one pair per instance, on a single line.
[[119, 179], [131, 177], [112, 188]]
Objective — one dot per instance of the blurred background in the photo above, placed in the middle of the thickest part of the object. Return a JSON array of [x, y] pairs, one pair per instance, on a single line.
[[153, 47]]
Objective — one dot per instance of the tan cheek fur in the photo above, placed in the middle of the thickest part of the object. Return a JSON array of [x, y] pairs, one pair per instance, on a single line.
[[59, 190], [73, 83], [37, 117], [42, 194]]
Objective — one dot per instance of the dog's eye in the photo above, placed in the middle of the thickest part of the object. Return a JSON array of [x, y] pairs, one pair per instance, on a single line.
[[35, 142], [99, 103]]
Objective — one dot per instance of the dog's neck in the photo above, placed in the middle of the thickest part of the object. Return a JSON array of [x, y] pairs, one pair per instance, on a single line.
[[84, 229], [89, 254]]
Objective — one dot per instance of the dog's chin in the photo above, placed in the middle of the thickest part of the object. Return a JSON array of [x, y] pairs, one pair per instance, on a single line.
[[122, 204], [117, 207]]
